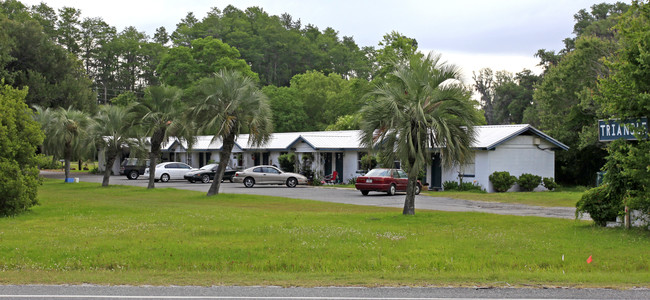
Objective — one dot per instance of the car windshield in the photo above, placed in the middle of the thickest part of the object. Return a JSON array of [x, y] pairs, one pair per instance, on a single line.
[[379, 173], [209, 167]]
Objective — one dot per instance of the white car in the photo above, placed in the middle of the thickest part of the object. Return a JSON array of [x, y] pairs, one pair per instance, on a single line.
[[169, 171], [268, 175]]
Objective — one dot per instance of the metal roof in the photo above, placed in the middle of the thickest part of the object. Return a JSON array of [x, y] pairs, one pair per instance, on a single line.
[[490, 136], [487, 137]]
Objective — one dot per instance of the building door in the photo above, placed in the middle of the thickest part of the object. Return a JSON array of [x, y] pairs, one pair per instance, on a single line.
[[339, 166], [328, 163], [436, 171], [201, 159], [256, 159], [265, 158]]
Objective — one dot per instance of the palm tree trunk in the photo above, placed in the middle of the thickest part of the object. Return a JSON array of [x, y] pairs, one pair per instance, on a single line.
[[409, 202], [153, 156], [226, 150], [110, 159], [156, 140], [67, 157], [67, 168]]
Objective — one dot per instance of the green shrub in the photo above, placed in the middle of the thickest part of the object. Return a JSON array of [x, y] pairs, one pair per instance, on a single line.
[[502, 181], [352, 180], [20, 134], [529, 182], [549, 183], [368, 162], [47, 162], [465, 186], [450, 186], [470, 187], [318, 181], [601, 204], [287, 162]]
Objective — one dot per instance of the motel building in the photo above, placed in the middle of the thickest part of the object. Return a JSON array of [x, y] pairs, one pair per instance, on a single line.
[[517, 149]]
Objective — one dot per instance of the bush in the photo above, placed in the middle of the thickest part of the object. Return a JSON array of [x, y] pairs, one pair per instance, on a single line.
[[465, 186], [601, 204], [368, 162], [450, 185], [287, 162], [20, 134], [529, 182], [318, 181], [352, 180], [47, 162], [502, 181], [549, 183], [470, 187]]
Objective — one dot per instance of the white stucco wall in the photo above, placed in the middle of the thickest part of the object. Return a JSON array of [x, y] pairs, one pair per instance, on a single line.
[[349, 165], [516, 156]]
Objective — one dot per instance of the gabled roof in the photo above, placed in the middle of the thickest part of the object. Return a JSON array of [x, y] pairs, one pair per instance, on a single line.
[[205, 142], [490, 136], [319, 140], [330, 140], [487, 138]]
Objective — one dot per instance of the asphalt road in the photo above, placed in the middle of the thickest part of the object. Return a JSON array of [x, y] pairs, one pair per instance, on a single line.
[[256, 292], [347, 196]]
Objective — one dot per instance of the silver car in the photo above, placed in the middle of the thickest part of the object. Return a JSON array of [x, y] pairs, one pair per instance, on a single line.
[[268, 175]]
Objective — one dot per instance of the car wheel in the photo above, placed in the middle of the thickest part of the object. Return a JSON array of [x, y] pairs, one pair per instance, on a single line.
[[249, 182], [292, 182], [205, 178], [391, 190], [418, 189], [133, 175], [230, 179], [191, 180], [365, 193], [164, 177]]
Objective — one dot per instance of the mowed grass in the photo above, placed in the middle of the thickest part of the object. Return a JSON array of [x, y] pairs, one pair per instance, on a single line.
[[547, 199], [563, 197], [82, 233]]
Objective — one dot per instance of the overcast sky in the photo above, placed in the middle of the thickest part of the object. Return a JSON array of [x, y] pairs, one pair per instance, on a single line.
[[474, 34]]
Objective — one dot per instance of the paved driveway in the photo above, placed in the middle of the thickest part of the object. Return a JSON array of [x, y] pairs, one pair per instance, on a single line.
[[347, 196]]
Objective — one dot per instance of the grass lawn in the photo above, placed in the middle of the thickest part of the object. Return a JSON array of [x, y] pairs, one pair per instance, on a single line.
[[560, 198], [548, 199], [82, 233]]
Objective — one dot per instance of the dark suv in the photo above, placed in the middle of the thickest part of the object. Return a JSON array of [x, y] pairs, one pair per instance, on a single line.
[[133, 167]]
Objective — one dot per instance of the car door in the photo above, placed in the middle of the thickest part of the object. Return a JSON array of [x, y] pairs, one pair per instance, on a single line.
[[172, 170], [259, 175], [274, 175], [181, 170], [401, 178]]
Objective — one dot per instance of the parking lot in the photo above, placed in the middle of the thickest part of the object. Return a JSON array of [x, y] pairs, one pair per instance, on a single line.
[[343, 195]]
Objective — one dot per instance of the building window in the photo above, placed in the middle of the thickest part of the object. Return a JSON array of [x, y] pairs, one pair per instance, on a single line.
[[468, 169]]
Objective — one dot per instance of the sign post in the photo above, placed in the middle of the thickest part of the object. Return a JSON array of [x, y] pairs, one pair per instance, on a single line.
[[629, 129]]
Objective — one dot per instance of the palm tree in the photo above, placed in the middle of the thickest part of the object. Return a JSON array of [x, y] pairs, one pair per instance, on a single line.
[[112, 131], [45, 117], [66, 133], [161, 115], [230, 104], [420, 106]]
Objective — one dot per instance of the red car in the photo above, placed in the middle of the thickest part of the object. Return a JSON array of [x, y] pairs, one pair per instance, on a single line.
[[384, 180]]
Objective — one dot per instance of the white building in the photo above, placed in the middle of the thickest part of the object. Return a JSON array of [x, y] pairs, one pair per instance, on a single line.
[[517, 149]]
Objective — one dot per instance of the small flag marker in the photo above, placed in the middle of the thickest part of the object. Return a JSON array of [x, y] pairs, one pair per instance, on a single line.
[[589, 259]]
